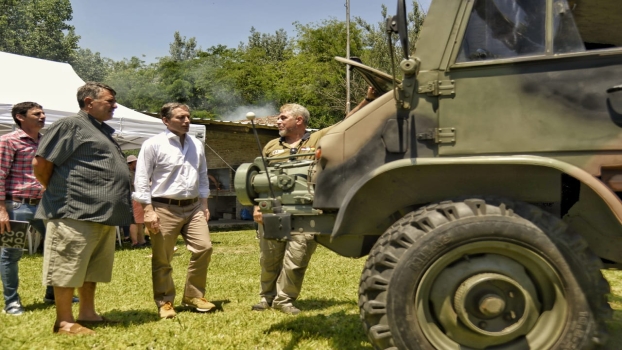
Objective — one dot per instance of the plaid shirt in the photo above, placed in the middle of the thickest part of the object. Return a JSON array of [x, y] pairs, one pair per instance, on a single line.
[[17, 150]]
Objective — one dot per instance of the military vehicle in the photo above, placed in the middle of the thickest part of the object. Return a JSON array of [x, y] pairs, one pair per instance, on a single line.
[[483, 185]]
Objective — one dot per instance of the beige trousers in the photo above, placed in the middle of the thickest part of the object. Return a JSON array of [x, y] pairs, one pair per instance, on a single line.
[[283, 267], [189, 221]]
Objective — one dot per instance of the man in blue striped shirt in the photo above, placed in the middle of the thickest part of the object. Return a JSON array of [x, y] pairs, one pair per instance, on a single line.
[[87, 195]]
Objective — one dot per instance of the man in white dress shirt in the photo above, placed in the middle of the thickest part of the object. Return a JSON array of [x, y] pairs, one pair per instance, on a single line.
[[172, 185]]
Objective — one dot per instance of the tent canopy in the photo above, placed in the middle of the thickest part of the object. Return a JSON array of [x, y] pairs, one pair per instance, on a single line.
[[54, 86]]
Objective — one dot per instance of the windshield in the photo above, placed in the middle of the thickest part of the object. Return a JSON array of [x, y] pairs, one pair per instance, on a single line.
[[380, 81]]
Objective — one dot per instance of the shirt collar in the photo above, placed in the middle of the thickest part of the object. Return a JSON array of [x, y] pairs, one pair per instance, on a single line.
[[304, 138], [170, 135], [109, 129], [23, 135]]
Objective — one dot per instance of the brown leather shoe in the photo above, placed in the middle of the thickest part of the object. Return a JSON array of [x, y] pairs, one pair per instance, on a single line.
[[199, 304], [167, 310], [75, 329], [261, 306]]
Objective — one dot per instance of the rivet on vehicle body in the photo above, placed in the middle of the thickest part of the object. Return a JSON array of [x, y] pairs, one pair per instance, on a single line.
[[301, 230], [483, 325]]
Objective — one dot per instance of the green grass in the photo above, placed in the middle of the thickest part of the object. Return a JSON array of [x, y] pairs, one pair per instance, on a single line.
[[329, 302]]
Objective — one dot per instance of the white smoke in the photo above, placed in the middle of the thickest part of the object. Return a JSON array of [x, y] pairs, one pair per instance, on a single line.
[[260, 112]]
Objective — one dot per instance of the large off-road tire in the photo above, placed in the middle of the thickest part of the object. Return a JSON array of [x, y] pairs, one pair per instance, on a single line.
[[481, 274]]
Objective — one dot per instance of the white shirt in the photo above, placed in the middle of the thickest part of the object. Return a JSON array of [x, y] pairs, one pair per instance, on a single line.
[[164, 169]]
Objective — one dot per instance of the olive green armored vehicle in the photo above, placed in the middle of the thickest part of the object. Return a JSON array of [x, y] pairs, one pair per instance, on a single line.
[[483, 184]]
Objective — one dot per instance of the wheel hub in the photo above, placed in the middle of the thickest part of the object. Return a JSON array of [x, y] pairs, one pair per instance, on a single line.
[[490, 304], [478, 304]]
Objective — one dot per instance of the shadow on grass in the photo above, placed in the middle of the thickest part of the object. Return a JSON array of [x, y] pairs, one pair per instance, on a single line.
[[131, 317], [136, 317], [342, 331], [615, 331], [319, 304], [38, 306]]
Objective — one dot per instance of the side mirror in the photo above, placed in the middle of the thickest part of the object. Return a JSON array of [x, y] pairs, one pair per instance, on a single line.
[[398, 24]]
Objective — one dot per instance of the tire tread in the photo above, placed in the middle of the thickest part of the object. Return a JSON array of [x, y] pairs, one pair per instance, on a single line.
[[392, 245]]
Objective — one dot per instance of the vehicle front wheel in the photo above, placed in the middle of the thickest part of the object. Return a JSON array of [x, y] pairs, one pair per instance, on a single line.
[[483, 275]]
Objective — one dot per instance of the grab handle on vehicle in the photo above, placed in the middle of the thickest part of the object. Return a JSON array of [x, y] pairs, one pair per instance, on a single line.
[[615, 88]]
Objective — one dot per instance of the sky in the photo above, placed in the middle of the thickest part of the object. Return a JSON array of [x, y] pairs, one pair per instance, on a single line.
[[120, 29]]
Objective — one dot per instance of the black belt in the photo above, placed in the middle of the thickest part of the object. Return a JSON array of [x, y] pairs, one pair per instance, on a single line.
[[29, 201], [178, 202]]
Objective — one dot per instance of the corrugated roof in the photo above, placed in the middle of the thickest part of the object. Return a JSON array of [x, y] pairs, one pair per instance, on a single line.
[[268, 122]]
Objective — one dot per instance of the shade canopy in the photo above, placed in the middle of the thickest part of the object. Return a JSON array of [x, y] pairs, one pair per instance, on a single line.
[[54, 86]]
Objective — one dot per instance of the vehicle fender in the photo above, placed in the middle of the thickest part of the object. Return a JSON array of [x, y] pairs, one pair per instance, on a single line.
[[388, 192]]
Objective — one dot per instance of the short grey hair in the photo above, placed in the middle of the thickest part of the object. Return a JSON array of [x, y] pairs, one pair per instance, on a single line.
[[167, 109], [296, 110], [92, 89]]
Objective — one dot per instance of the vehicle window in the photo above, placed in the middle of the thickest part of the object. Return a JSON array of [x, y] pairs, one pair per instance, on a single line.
[[567, 38], [504, 29]]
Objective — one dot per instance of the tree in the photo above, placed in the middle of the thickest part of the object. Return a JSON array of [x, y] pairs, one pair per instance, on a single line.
[[275, 47], [90, 66], [249, 74], [182, 49], [376, 53], [38, 28], [312, 76], [137, 85]]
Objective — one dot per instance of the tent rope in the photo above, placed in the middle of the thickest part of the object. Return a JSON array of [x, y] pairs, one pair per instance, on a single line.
[[218, 155]]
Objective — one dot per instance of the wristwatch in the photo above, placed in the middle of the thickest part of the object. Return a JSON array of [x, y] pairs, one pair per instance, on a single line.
[[368, 99]]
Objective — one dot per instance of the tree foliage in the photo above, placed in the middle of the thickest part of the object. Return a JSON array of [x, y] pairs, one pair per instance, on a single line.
[[377, 53], [90, 66], [181, 49], [38, 28], [267, 70]]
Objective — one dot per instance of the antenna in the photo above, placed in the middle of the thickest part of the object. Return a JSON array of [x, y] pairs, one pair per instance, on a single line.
[[277, 205]]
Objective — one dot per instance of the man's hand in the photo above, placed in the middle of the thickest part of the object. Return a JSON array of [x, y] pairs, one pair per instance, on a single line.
[[5, 225], [257, 216], [152, 221], [204, 208], [371, 93]]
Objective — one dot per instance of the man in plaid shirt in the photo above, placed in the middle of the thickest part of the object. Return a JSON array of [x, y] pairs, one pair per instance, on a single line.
[[20, 192]]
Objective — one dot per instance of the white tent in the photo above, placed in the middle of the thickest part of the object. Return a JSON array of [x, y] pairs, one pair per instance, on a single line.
[[54, 86]]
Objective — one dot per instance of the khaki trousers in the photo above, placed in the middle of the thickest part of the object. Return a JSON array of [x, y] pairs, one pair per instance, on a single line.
[[283, 267], [189, 221], [76, 252]]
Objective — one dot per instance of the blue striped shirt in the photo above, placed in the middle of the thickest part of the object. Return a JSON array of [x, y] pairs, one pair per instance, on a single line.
[[91, 179]]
